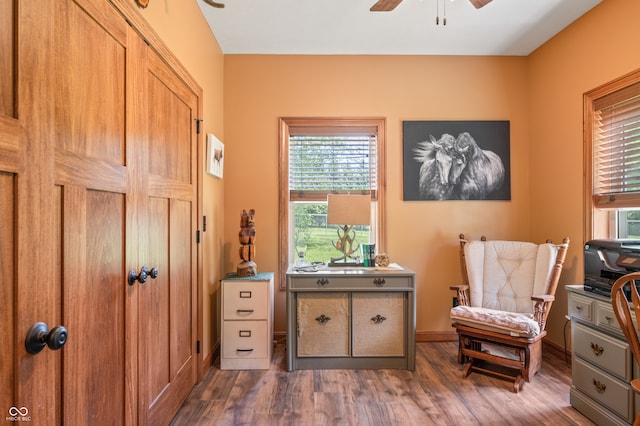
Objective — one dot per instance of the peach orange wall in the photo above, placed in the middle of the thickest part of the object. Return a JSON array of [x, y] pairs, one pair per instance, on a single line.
[[181, 25], [420, 235], [597, 48]]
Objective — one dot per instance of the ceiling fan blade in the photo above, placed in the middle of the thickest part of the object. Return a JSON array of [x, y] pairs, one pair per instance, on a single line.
[[480, 3], [385, 5], [214, 3]]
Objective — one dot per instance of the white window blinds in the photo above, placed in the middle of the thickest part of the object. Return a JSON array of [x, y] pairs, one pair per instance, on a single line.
[[616, 149], [323, 164]]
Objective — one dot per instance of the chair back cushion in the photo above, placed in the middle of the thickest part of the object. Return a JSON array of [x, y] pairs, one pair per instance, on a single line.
[[503, 275]]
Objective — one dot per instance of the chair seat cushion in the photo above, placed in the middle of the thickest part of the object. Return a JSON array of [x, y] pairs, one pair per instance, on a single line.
[[511, 323]]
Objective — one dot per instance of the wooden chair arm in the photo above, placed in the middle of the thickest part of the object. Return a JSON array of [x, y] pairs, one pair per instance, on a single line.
[[459, 287], [541, 307], [545, 298], [463, 294]]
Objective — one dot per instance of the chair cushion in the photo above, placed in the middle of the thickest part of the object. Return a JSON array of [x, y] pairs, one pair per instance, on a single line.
[[510, 323], [503, 275]]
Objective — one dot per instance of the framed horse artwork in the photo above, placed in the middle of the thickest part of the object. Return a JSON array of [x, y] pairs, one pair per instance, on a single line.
[[456, 160]]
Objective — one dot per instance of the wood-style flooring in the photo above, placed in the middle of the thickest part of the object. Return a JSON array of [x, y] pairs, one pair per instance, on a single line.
[[434, 394]]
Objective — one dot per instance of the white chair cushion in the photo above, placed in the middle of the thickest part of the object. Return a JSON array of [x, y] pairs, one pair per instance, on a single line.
[[511, 323], [503, 275]]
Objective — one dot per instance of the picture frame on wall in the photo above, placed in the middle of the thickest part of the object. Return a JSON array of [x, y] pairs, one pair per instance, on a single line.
[[215, 156], [456, 160]]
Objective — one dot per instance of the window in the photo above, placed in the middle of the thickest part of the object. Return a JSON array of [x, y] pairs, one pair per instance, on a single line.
[[612, 159], [327, 156]]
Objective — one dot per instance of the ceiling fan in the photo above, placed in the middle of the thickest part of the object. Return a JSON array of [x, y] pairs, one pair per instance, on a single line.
[[388, 5]]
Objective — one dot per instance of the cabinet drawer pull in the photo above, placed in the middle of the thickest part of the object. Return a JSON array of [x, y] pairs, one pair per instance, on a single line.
[[323, 282], [244, 333], [244, 311], [600, 387], [244, 350], [578, 307], [378, 319], [597, 349], [379, 282], [245, 295], [323, 319]]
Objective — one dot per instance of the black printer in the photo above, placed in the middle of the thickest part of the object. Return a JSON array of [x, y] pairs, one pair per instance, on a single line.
[[607, 260]]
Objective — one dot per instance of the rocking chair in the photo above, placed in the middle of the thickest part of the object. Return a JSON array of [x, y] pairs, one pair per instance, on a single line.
[[503, 304]]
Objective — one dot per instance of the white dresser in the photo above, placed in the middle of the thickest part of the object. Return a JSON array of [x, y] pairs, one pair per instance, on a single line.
[[602, 364], [247, 322]]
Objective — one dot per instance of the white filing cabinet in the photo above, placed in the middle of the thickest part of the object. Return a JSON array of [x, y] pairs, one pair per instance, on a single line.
[[247, 322], [602, 363]]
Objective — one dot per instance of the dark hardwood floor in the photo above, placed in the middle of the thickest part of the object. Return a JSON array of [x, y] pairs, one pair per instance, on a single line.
[[434, 394]]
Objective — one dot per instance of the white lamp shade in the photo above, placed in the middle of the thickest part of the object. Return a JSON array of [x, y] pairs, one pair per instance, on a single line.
[[349, 209]]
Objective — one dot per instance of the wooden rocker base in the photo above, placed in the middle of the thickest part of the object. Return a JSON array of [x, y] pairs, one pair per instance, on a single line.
[[525, 364]]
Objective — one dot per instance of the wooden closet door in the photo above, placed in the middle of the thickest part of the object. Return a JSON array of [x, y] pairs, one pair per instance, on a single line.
[[98, 215], [97, 178], [168, 303]]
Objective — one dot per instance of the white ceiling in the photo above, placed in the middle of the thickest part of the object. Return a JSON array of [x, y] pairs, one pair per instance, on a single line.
[[503, 27]]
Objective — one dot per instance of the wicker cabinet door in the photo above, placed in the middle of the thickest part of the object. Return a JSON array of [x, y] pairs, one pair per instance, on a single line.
[[378, 324], [323, 324]]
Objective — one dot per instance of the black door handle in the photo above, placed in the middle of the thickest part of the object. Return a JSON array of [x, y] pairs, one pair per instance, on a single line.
[[142, 276], [39, 336]]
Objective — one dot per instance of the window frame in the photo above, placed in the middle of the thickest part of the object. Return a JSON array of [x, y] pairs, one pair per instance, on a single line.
[[601, 222], [339, 123]]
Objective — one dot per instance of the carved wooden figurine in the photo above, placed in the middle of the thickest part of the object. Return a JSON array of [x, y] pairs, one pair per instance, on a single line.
[[247, 236]]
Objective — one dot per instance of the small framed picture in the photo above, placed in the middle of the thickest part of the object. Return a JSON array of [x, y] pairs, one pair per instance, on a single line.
[[215, 156]]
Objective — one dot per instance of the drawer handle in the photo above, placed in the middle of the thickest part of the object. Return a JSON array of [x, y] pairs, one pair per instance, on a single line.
[[378, 319], [323, 282], [608, 318], [245, 295], [597, 349], [379, 282], [244, 333], [323, 319], [244, 350], [600, 387], [578, 307], [244, 311]]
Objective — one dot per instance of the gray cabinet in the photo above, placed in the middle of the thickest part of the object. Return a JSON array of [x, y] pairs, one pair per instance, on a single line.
[[602, 364], [351, 318]]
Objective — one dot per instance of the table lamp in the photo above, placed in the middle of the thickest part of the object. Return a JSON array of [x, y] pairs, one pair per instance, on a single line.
[[346, 211]]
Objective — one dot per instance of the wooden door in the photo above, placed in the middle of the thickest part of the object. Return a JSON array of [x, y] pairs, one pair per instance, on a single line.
[[168, 303], [83, 201]]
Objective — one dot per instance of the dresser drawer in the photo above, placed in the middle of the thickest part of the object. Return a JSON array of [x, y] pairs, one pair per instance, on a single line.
[[244, 339], [581, 307], [603, 351], [607, 319], [603, 388], [245, 300], [354, 282]]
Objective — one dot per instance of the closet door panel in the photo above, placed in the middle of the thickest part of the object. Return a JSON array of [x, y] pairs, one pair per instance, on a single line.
[[172, 203]]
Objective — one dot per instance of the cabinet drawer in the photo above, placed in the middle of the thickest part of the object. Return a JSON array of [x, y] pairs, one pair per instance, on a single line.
[[245, 299], [581, 307], [603, 388], [378, 324], [244, 339], [323, 324], [370, 282], [604, 351], [606, 318]]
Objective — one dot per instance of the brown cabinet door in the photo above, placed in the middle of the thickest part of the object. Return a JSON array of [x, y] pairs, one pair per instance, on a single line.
[[97, 178], [168, 303]]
